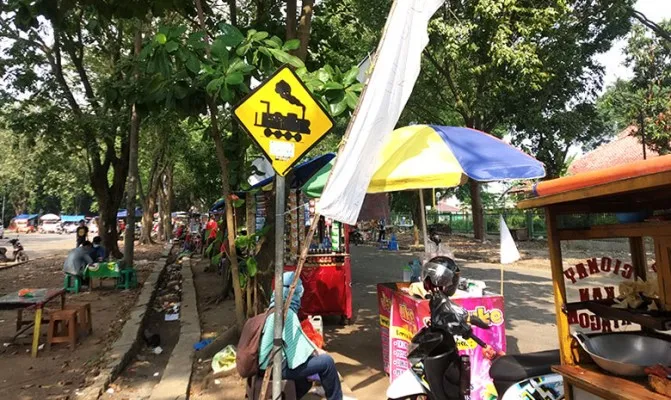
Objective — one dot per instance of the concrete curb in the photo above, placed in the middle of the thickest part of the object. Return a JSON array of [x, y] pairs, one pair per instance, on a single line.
[[125, 347], [176, 379]]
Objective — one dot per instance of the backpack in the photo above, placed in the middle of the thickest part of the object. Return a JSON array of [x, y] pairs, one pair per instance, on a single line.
[[247, 356]]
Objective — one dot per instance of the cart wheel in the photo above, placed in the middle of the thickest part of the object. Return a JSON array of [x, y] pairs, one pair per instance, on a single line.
[[344, 320]]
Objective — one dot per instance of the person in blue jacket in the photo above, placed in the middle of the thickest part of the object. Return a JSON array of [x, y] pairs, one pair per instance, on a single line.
[[97, 252]]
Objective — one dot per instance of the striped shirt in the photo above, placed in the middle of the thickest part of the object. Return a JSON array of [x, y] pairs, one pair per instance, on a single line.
[[297, 348]]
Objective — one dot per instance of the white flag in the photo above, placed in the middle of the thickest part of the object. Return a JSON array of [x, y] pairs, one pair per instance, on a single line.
[[395, 71], [509, 252]]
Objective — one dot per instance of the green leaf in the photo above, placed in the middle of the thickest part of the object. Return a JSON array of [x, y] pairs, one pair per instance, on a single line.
[[333, 86], [230, 35], [338, 108], [146, 51], [193, 63], [219, 48], [196, 40], [216, 260], [350, 76], [242, 50], [171, 46], [292, 44], [160, 38], [272, 43], [258, 36], [226, 94], [352, 99], [357, 87], [252, 266], [286, 58], [214, 85], [238, 203], [235, 78]]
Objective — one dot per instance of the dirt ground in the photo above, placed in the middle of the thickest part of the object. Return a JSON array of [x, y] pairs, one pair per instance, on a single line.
[[534, 253], [215, 317], [61, 372], [138, 379]]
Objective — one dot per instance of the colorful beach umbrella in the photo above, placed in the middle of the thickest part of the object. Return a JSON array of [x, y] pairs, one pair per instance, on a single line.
[[430, 156]]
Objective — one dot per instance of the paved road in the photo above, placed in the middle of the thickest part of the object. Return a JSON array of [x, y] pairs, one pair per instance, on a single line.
[[529, 308], [41, 245]]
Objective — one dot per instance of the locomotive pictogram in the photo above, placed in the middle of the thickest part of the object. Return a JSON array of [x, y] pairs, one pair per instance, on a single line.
[[283, 126]]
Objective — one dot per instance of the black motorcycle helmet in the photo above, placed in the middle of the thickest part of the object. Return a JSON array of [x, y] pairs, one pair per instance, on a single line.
[[441, 273]]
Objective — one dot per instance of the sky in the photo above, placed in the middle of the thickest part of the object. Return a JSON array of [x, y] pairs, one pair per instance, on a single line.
[[656, 11]]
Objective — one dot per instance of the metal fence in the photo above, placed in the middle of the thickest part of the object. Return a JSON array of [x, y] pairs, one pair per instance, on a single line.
[[531, 222]]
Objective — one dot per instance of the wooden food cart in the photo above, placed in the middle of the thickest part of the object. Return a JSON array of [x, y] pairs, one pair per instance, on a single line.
[[641, 189]]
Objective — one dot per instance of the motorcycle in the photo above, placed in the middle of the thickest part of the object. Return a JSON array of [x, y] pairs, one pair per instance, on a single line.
[[438, 372], [356, 237], [18, 253]]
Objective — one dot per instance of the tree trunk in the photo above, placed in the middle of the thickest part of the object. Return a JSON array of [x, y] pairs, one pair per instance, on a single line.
[[304, 25], [291, 19], [233, 12], [148, 218], [225, 189], [131, 190], [477, 210], [167, 199]]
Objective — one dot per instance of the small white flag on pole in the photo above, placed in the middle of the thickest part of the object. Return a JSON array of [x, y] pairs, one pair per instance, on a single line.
[[509, 252]]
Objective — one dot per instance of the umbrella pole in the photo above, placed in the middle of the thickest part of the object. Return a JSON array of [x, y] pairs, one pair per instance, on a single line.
[[423, 216]]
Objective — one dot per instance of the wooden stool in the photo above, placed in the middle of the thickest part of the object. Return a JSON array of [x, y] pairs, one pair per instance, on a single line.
[[60, 322], [84, 321]]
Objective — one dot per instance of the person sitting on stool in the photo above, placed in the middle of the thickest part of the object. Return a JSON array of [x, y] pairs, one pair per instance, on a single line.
[[98, 252], [77, 259], [301, 357]]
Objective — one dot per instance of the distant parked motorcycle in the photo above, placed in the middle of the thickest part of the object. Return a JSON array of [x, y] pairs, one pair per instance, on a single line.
[[18, 253]]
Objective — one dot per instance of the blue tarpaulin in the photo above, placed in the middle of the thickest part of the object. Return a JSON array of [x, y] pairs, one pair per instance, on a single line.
[[123, 213], [73, 218], [26, 216]]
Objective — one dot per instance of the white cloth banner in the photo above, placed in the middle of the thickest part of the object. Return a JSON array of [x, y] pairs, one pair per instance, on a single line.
[[389, 86], [509, 252]]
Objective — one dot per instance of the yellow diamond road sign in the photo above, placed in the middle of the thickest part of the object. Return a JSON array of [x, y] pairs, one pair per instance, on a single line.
[[283, 119]]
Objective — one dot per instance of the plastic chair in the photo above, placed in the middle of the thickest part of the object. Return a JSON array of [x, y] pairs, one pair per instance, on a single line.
[[127, 280], [72, 283]]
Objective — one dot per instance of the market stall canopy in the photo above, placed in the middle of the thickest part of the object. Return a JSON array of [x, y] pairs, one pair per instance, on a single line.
[[72, 218], [124, 213], [303, 171], [428, 156], [26, 217], [50, 217], [630, 187]]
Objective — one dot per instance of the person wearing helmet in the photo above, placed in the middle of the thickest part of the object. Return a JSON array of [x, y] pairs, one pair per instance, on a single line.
[[440, 276]]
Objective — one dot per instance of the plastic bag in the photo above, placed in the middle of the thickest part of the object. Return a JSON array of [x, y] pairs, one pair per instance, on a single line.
[[224, 361], [312, 334]]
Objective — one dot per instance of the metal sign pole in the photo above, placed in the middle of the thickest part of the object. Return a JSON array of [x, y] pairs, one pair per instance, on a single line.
[[279, 285]]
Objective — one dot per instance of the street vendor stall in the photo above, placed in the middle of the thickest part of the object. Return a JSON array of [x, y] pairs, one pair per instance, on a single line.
[[326, 276], [639, 194], [402, 315]]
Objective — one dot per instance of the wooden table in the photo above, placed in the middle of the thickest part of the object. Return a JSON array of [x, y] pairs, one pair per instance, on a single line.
[[594, 380], [38, 299]]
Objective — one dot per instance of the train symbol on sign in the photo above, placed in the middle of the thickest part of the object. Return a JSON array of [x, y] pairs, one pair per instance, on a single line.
[[288, 127]]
